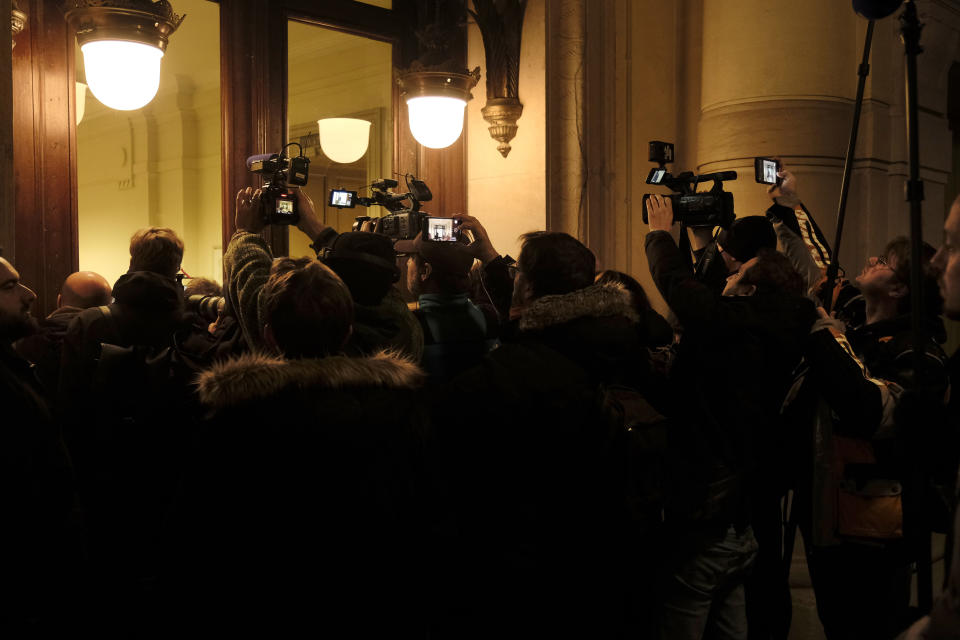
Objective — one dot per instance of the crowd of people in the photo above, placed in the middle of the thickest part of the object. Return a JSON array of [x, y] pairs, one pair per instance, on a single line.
[[430, 439]]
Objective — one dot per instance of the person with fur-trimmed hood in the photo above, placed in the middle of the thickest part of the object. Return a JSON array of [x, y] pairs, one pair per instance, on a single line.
[[299, 511], [534, 462]]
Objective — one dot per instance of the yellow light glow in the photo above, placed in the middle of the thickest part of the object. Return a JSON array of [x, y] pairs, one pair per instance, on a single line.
[[344, 140], [436, 122], [122, 75], [81, 100]]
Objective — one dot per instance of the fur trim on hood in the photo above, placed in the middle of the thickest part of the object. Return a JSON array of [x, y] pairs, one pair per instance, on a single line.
[[595, 301], [256, 375]]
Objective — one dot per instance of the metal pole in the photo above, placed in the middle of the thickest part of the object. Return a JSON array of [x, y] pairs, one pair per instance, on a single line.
[[916, 527], [863, 71]]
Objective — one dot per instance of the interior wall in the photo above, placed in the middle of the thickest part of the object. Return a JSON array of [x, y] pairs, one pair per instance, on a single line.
[[509, 195], [159, 165]]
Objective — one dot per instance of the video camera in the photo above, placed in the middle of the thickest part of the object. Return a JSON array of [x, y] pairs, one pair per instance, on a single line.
[[278, 202], [403, 222], [712, 208]]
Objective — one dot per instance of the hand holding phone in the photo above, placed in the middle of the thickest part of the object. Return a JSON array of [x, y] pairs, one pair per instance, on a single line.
[[766, 170]]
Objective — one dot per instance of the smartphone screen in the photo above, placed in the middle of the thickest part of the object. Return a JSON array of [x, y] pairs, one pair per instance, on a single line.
[[441, 230], [766, 170]]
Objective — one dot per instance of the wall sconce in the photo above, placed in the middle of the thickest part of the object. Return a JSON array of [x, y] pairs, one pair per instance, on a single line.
[[18, 21], [501, 25], [122, 43], [344, 140], [435, 104]]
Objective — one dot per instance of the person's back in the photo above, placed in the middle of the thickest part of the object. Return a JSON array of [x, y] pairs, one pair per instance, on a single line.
[[457, 334], [127, 414], [80, 290], [299, 510], [41, 546], [535, 462]]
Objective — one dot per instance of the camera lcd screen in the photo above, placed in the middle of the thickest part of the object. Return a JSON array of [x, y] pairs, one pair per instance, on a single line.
[[656, 176], [766, 170], [285, 206], [342, 199], [441, 230]]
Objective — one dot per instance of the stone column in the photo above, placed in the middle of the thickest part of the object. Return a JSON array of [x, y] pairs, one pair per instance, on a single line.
[[566, 24], [788, 89]]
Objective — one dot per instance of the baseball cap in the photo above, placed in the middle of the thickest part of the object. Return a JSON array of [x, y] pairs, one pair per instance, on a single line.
[[451, 257]]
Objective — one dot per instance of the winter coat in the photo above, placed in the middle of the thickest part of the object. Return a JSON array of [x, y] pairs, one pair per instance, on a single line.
[[299, 510], [533, 465]]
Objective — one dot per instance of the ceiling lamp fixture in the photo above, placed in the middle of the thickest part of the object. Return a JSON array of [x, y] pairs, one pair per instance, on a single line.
[[344, 140], [435, 104], [122, 43]]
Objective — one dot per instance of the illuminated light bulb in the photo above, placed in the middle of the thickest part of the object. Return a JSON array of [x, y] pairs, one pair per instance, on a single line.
[[344, 140], [436, 121], [122, 75]]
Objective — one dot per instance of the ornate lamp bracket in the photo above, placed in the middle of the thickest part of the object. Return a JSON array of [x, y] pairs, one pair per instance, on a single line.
[[18, 22], [501, 25]]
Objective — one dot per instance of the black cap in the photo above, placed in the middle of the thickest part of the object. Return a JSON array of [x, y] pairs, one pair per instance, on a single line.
[[366, 262], [746, 236]]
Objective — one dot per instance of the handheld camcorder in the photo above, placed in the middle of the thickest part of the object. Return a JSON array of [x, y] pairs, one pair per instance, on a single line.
[[712, 208], [278, 202], [405, 220]]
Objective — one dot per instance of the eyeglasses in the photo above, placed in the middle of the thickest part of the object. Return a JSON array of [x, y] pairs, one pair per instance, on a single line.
[[882, 261]]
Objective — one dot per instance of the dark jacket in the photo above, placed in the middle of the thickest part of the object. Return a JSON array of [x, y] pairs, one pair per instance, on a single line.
[[945, 616], [43, 348], [534, 466], [128, 426], [147, 310], [40, 540], [733, 369], [886, 416], [456, 334], [299, 510]]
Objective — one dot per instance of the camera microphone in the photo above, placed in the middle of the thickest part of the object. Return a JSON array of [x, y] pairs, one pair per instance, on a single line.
[[262, 157], [719, 175]]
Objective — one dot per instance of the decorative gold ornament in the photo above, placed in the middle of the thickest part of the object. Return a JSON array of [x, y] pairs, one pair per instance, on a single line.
[[502, 114], [18, 22], [501, 26]]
